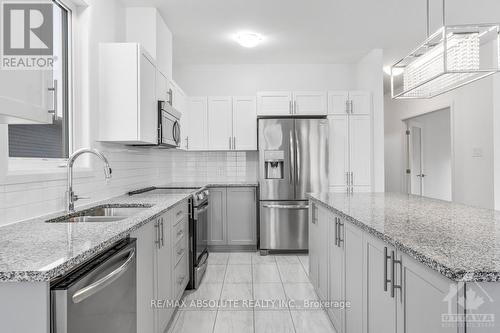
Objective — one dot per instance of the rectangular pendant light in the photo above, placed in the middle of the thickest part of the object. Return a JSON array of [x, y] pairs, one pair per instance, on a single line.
[[450, 58]]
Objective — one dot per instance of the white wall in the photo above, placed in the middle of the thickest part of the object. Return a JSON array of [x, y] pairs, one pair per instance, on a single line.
[[216, 80], [472, 128], [436, 147]]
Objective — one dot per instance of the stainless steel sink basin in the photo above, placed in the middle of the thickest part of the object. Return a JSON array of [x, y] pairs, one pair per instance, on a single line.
[[107, 213]]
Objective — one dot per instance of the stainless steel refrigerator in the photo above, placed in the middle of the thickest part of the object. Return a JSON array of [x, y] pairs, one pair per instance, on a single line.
[[293, 161]]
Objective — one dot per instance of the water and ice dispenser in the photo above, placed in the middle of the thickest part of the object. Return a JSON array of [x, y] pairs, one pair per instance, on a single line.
[[274, 161]]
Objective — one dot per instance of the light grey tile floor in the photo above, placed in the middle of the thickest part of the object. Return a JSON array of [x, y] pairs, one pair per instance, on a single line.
[[253, 292]]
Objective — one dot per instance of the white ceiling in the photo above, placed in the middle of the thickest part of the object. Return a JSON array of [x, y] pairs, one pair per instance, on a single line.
[[306, 31]]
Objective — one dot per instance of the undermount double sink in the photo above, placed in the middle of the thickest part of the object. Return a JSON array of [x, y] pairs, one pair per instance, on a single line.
[[105, 213]]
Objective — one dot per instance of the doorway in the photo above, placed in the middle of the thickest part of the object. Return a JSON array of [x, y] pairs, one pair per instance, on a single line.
[[429, 155]]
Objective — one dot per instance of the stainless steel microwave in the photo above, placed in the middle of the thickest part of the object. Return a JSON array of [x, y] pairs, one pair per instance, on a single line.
[[169, 127]]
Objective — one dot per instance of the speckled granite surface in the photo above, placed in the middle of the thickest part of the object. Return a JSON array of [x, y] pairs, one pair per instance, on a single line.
[[460, 242], [211, 184], [34, 250]]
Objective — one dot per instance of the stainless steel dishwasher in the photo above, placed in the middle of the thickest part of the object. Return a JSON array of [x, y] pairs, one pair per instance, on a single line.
[[99, 297]]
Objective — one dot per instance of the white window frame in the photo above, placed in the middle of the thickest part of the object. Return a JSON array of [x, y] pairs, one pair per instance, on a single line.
[[18, 167]]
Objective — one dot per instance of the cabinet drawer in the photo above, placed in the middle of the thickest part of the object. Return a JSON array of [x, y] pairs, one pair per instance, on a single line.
[[179, 212], [180, 249], [181, 276], [180, 230]]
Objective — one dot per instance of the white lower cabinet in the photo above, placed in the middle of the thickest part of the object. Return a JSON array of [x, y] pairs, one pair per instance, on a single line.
[[159, 271], [384, 290], [232, 217]]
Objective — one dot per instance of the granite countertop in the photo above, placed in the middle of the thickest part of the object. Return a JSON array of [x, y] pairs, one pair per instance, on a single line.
[[211, 184], [459, 241], [34, 250]]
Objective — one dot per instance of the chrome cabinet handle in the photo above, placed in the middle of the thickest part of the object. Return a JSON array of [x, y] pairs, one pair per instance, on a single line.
[[295, 107], [290, 107], [162, 233], [347, 178], [341, 239], [352, 182], [229, 143], [395, 286], [157, 228], [53, 111], [336, 231], [386, 280], [102, 283], [347, 106], [234, 143]]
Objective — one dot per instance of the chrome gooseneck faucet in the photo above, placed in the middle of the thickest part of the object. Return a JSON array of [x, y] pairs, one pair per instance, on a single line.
[[71, 197]]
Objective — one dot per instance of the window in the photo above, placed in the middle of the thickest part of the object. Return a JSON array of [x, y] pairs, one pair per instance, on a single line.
[[52, 140]]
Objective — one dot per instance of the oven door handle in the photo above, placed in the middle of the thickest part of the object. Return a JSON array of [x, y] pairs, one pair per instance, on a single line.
[[102, 283], [286, 206]]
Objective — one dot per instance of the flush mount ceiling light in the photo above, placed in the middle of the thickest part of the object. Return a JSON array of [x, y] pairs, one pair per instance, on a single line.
[[453, 56], [248, 39]]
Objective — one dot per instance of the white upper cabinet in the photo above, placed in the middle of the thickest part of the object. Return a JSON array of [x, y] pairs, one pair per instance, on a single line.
[[360, 152], [220, 123], [146, 27], [274, 103], [198, 126], [26, 96], [309, 103], [284, 103], [338, 152], [337, 102], [360, 102], [127, 95], [245, 123]]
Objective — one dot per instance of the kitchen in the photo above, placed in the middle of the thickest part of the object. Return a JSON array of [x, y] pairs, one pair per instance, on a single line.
[[226, 166]]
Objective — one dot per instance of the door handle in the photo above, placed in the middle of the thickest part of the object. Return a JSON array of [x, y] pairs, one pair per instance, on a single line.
[[162, 233], [157, 228], [102, 283], [341, 239], [386, 280], [53, 112], [395, 286], [336, 232]]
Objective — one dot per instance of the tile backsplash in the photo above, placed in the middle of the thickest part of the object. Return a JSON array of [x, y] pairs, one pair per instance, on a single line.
[[133, 168]]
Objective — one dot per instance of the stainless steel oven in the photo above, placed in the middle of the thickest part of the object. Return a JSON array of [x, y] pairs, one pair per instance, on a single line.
[[169, 128], [100, 296]]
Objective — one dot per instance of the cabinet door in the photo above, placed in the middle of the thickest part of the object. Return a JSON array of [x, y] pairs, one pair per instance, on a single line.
[[274, 103], [220, 123], [426, 296], [338, 152], [198, 130], [164, 271], [353, 277], [360, 152], [148, 110], [310, 103], [146, 261], [241, 216], [361, 102], [321, 241], [313, 248], [217, 217], [245, 123], [337, 102], [380, 314], [336, 277]]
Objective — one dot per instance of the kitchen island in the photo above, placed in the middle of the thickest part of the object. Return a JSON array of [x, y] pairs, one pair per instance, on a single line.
[[405, 263]]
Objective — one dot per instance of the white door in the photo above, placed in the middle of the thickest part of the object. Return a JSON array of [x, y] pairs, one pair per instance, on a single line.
[[337, 102], [310, 103], [360, 152], [360, 102], [416, 158], [220, 123], [338, 152], [148, 104], [427, 295], [274, 103], [198, 129], [164, 284], [353, 277], [336, 268], [380, 306], [245, 123]]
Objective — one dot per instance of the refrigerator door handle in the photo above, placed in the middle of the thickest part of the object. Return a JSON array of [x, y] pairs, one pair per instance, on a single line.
[[292, 161], [286, 206], [297, 159]]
